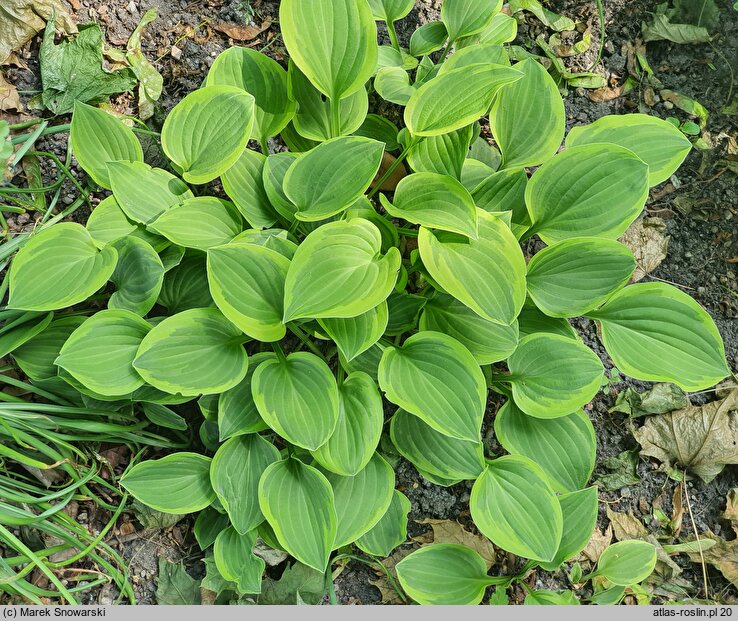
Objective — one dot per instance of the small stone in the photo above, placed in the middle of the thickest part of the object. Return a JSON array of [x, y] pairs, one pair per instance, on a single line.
[[176, 53], [668, 105], [609, 47], [132, 9]]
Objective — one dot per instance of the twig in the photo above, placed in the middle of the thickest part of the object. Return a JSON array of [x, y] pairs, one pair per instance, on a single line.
[[696, 534]]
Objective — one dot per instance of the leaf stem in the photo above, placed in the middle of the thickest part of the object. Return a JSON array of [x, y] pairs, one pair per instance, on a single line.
[[393, 36], [407, 232], [400, 158], [300, 334], [446, 50], [601, 15], [279, 351], [264, 142], [335, 117]]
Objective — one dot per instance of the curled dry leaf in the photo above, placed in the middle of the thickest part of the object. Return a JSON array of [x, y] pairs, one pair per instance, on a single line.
[[596, 545], [9, 98], [20, 20], [450, 531], [702, 439], [241, 33], [646, 239], [391, 183]]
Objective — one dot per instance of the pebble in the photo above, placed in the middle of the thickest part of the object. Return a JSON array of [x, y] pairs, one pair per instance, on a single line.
[[668, 105]]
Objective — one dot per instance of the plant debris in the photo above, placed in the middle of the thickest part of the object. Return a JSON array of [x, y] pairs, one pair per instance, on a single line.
[[20, 20], [660, 399]]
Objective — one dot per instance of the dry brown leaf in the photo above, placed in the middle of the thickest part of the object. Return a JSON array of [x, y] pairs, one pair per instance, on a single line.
[[9, 98], [626, 525], [677, 515], [600, 95], [723, 556], [597, 544], [389, 594], [702, 439], [450, 531], [241, 33], [646, 240], [20, 20], [731, 509], [391, 183]]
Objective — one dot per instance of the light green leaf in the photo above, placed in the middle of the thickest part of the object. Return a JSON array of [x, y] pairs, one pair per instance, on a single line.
[[338, 272], [99, 353], [390, 10], [444, 154], [194, 352], [237, 412], [577, 275], [456, 262], [297, 501], [275, 168], [390, 531], [171, 256], [431, 112], [404, 312], [145, 193], [468, 17], [58, 267], [658, 143], [505, 191], [563, 447], [107, 222], [354, 335], [244, 185], [208, 525], [436, 378], [587, 191], [502, 29], [162, 416], [484, 53], [482, 151], [261, 77], [207, 131], [553, 375], [488, 342], [428, 38], [333, 42], [98, 138], [434, 201], [531, 321], [433, 452], [361, 500], [278, 240], [514, 506], [22, 329], [235, 560], [343, 168], [444, 573], [297, 396], [528, 135], [186, 285], [200, 222], [627, 562], [247, 284], [36, 357], [177, 483], [234, 474], [393, 84], [655, 332], [549, 18], [381, 129], [138, 276], [543, 597]]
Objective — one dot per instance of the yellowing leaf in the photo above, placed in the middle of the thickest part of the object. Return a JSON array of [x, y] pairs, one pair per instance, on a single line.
[[20, 20]]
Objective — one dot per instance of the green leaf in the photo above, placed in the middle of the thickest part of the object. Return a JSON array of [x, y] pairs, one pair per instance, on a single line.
[[579, 510], [505, 191], [528, 136], [278, 240], [275, 168], [404, 312], [563, 447], [174, 586], [200, 222], [587, 191], [390, 10], [345, 253], [531, 321], [468, 17], [333, 42], [313, 119], [297, 501], [433, 452], [436, 378], [145, 193], [379, 128], [261, 77], [99, 353], [434, 201], [390, 531], [208, 525], [502, 29], [549, 18], [543, 597], [235, 560], [553, 375], [658, 143], [177, 483], [482, 151], [359, 427], [447, 573], [244, 185], [577, 275], [297, 396], [237, 412], [206, 132], [345, 167], [247, 284], [138, 276], [484, 53], [298, 584], [627, 562], [98, 138], [107, 222], [18, 331], [58, 267], [36, 357], [454, 263], [361, 500], [162, 416], [393, 84], [186, 285], [234, 474], [443, 154], [488, 342], [655, 332], [513, 505], [431, 112], [354, 335], [428, 38], [194, 352]]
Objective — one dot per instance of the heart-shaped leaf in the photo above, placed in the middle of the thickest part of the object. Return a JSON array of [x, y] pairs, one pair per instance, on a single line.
[[531, 321], [393, 84], [235, 560], [37, 356], [468, 17], [354, 335], [514, 506], [428, 38], [390, 10], [138, 276], [200, 222], [186, 285], [107, 222], [275, 168], [244, 184], [627, 562], [194, 352], [207, 131], [505, 191], [390, 531], [297, 396], [436, 378], [58, 267], [444, 154], [237, 412]]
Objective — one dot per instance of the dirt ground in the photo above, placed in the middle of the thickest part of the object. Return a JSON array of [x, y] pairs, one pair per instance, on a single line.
[[699, 208]]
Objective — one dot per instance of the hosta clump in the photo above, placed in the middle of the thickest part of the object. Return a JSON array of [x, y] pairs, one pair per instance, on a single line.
[[311, 295]]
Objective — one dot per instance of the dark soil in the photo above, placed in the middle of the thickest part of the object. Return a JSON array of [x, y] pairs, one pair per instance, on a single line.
[[700, 206]]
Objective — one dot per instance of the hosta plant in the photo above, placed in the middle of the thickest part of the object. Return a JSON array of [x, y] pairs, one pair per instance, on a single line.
[[360, 294]]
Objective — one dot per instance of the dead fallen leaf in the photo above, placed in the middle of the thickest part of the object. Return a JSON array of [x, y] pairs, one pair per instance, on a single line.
[[606, 93], [20, 20], [241, 33], [387, 591], [677, 515], [626, 525], [702, 439], [731, 509], [450, 531], [597, 544], [9, 98], [646, 239], [723, 556], [661, 398], [391, 183]]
